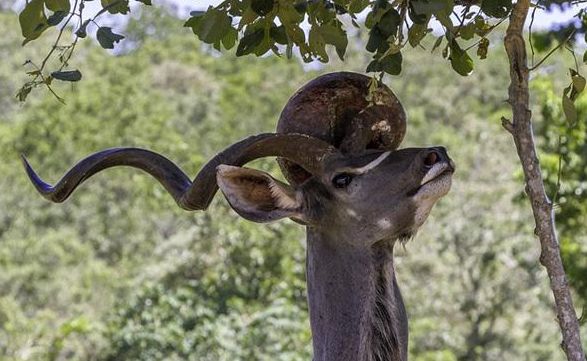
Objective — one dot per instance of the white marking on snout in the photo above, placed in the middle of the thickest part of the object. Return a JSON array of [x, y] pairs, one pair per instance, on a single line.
[[436, 169]]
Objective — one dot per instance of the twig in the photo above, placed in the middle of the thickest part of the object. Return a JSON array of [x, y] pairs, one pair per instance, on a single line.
[[46, 82], [530, 31], [553, 50], [574, 57], [461, 20], [487, 33], [58, 38], [507, 125], [65, 62]]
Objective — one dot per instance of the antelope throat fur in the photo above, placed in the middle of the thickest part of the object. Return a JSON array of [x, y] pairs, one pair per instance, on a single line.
[[384, 339]]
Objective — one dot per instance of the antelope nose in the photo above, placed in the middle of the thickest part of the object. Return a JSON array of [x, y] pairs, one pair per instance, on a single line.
[[432, 157], [437, 155]]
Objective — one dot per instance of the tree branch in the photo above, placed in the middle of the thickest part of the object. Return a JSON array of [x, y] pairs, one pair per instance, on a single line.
[[564, 42], [542, 207]]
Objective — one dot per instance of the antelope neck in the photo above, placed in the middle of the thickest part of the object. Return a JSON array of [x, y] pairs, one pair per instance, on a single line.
[[356, 309]]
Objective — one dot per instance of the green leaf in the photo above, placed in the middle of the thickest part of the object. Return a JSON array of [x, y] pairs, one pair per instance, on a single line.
[[334, 34], [60, 10], [444, 20], [23, 93], [416, 33], [389, 23], [278, 34], [317, 44], [249, 42], [288, 15], [230, 38], [569, 109], [391, 64], [115, 6], [374, 16], [247, 18], [213, 26], [262, 7], [301, 7], [482, 28], [73, 75], [107, 38], [420, 12], [460, 61], [56, 17], [482, 48], [578, 83], [437, 43], [418, 18], [375, 40], [33, 20], [496, 8], [356, 6], [468, 31], [429, 7], [265, 45], [194, 22], [146, 2], [541, 41], [296, 34], [573, 72], [585, 57], [58, 5]]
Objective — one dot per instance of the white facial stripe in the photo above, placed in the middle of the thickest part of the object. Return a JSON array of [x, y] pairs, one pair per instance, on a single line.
[[371, 165], [434, 172]]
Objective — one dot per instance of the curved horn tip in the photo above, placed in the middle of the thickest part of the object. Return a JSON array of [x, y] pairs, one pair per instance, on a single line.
[[41, 186]]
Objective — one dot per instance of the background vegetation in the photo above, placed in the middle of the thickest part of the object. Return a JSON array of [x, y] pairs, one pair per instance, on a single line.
[[119, 273]]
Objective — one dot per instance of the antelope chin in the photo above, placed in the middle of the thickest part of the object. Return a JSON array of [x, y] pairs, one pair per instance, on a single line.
[[436, 187], [435, 184]]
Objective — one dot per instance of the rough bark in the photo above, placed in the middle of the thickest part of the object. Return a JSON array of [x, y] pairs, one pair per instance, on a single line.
[[542, 207]]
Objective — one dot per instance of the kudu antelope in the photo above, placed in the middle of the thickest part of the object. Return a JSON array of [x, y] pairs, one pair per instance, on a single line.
[[355, 193]]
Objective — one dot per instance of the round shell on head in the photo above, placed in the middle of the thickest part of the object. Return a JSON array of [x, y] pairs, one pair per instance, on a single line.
[[334, 108]]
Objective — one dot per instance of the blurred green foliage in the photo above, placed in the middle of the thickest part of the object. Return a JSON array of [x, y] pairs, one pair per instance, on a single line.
[[564, 157], [119, 273]]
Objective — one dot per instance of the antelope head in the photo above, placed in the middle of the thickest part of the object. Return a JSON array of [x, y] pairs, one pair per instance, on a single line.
[[374, 196], [348, 184]]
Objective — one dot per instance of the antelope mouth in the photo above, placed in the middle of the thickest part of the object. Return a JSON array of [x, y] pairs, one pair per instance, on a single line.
[[436, 182]]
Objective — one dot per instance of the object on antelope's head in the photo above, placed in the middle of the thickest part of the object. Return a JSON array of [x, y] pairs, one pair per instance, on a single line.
[[348, 183], [337, 150]]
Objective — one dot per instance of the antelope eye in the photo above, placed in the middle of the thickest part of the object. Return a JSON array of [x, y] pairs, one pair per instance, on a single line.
[[342, 180]]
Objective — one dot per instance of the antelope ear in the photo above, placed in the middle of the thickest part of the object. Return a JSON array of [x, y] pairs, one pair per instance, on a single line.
[[257, 196]]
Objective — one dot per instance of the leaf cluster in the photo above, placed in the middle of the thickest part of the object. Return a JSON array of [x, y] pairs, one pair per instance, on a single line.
[[312, 28]]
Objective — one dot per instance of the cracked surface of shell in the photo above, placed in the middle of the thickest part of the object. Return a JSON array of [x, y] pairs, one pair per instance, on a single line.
[[334, 108]]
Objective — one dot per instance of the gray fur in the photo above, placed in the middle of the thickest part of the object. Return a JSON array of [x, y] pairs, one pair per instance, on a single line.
[[356, 308]]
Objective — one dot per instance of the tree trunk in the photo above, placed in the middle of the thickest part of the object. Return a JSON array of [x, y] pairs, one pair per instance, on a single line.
[[521, 130]]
